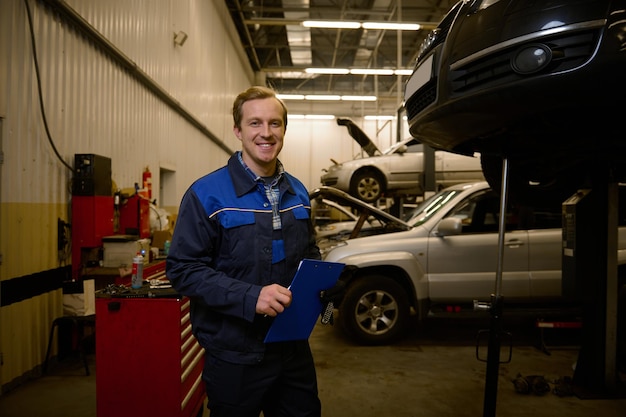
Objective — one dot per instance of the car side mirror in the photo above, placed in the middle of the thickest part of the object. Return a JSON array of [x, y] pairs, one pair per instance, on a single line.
[[402, 149], [450, 226]]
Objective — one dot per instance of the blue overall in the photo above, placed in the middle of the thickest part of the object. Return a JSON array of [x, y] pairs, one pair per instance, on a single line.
[[223, 250]]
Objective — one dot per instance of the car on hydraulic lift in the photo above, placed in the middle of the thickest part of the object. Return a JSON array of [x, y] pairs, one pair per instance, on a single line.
[[539, 83], [398, 170]]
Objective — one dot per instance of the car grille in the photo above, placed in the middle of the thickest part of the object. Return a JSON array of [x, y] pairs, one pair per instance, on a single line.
[[330, 182], [569, 51], [421, 99], [427, 94], [440, 33]]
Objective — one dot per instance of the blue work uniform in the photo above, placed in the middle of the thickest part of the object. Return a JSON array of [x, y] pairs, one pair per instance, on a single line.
[[226, 247]]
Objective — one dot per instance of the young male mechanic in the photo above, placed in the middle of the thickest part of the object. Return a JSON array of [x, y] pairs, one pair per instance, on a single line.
[[240, 234]]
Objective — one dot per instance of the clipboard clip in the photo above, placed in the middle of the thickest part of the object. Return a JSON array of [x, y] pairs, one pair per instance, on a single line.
[[328, 298], [327, 313]]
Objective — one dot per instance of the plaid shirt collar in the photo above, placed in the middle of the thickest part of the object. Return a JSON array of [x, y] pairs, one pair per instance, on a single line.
[[271, 190], [280, 170]]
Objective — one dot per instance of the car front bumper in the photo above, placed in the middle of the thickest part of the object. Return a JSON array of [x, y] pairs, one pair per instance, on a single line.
[[466, 96]]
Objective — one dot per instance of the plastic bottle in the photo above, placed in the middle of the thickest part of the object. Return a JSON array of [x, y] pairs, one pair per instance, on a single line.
[[136, 281]]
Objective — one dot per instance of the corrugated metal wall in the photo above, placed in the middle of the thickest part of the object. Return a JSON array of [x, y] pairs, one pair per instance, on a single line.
[[94, 105]]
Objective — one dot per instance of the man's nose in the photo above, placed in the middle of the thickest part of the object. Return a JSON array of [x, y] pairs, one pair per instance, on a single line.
[[266, 129]]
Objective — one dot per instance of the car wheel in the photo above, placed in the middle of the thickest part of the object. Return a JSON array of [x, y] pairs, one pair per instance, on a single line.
[[367, 186], [374, 310]]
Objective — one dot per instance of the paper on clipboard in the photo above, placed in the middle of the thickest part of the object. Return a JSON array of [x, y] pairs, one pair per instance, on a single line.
[[298, 320]]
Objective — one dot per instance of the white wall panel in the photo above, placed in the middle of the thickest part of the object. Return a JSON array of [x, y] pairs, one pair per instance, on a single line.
[[94, 105], [105, 111]]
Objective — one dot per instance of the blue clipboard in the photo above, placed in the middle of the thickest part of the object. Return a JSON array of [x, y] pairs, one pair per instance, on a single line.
[[298, 320]]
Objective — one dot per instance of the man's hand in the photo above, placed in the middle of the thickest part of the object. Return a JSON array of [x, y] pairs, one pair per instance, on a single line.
[[273, 300]]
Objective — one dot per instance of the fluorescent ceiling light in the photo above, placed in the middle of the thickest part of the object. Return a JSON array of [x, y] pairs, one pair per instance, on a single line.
[[292, 74], [380, 117], [331, 24], [325, 97], [338, 71], [391, 26], [322, 97], [290, 96], [346, 24], [312, 116], [331, 117], [358, 71], [358, 98], [371, 71]]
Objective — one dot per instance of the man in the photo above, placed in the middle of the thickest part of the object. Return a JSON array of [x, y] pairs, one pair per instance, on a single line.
[[241, 232]]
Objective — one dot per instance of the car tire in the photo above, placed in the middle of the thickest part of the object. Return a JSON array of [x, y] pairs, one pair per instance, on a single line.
[[374, 311], [367, 186]]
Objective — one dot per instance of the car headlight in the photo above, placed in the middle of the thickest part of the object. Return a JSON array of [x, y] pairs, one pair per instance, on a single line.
[[327, 228], [327, 245], [531, 58]]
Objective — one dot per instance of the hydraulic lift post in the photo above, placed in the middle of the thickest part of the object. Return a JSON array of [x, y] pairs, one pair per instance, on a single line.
[[496, 308]]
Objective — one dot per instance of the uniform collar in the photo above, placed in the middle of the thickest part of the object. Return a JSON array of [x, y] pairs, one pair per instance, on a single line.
[[245, 180]]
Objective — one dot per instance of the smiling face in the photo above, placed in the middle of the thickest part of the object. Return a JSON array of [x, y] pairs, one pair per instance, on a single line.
[[261, 133]]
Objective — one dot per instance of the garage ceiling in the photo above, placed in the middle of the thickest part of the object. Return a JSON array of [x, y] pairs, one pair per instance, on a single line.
[[279, 48]]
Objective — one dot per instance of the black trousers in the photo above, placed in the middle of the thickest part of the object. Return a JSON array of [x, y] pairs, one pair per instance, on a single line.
[[283, 384]]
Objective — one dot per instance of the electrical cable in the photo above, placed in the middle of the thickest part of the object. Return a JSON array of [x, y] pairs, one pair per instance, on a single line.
[[39, 91], [65, 252], [158, 216]]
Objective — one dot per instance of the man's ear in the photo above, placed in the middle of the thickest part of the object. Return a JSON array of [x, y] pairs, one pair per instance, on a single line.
[[237, 132]]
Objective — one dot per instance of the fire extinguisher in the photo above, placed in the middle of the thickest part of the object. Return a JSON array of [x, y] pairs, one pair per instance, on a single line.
[[147, 182]]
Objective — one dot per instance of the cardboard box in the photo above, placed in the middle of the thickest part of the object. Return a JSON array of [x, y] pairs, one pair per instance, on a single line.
[[159, 237], [79, 301], [172, 220]]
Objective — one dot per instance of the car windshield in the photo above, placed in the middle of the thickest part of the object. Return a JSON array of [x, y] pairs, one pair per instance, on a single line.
[[429, 207], [411, 144]]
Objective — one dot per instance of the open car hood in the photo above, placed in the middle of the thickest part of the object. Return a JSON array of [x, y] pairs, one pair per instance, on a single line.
[[357, 206], [360, 137], [369, 219]]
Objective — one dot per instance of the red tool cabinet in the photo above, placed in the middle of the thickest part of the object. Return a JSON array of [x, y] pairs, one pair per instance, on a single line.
[[135, 216], [92, 219], [147, 360]]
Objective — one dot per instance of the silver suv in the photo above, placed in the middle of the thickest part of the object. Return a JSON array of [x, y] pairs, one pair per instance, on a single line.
[[443, 256]]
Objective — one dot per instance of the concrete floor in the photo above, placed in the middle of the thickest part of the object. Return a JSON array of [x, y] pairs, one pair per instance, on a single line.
[[433, 372]]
